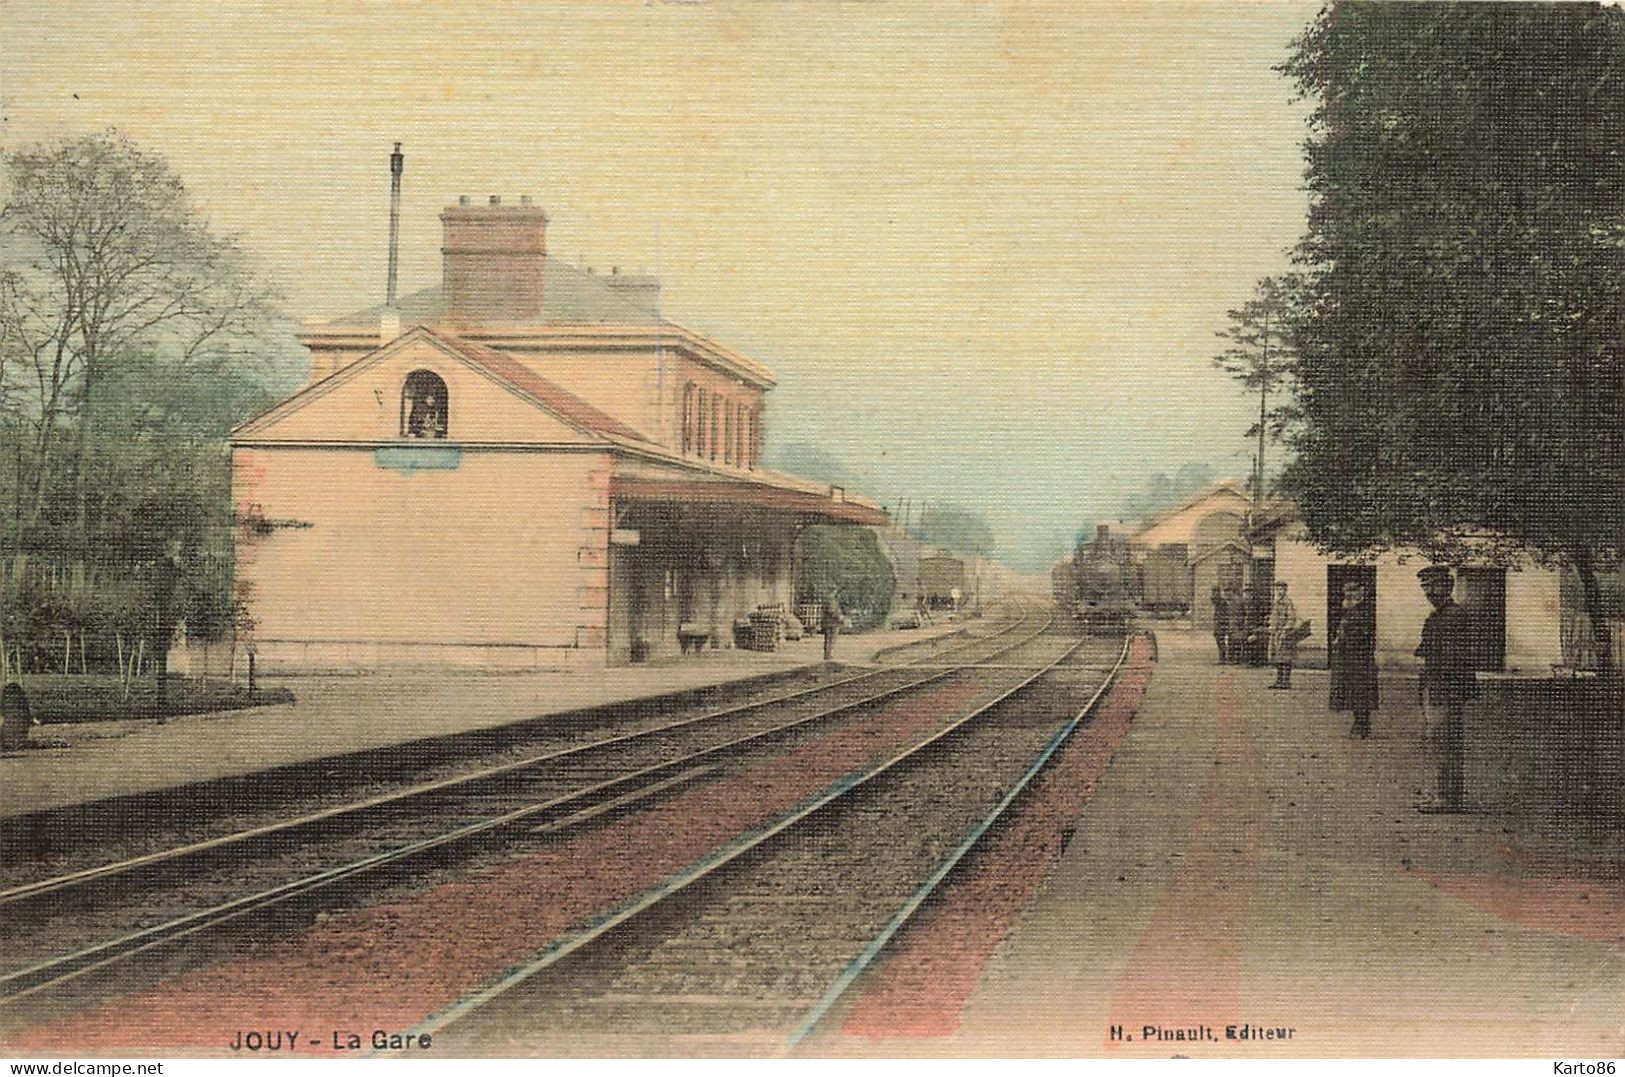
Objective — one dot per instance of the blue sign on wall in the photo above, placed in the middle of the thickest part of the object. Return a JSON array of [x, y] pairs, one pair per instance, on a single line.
[[409, 458]]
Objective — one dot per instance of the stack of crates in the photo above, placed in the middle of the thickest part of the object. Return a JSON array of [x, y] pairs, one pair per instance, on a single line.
[[766, 629], [812, 617]]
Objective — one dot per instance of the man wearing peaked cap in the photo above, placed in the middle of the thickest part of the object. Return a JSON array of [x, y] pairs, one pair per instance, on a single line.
[[1436, 574], [1448, 681]]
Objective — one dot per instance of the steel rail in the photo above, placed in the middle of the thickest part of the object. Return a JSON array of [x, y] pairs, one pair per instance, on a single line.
[[70, 880], [565, 945], [50, 973], [30, 980], [972, 838]]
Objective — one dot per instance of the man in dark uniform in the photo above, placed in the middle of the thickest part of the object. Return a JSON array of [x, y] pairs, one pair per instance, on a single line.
[[1243, 623], [16, 721], [1448, 681], [832, 623], [1221, 623], [1352, 651]]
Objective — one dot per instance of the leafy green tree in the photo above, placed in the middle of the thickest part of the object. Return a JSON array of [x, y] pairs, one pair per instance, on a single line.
[[132, 338], [1461, 366], [106, 262], [848, 558]]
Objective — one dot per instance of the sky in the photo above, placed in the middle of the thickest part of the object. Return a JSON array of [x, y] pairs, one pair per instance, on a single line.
[[986, 247]]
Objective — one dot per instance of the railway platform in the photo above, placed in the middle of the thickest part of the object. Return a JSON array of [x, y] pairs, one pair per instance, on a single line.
[[339, 715], [1244, 865]]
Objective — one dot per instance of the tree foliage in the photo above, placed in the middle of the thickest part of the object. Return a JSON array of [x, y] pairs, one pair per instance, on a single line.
[[1259, 354], [132, 337], [1460, 336], [1162, 491], [850, 559], [1461, 366], [956, 527]]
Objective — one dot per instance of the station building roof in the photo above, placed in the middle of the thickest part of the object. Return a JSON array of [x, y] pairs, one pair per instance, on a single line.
[[1179, 523], [648, 470], [570, 296], [500, 367]]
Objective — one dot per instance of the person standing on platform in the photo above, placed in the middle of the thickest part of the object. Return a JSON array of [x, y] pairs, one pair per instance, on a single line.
[[1221, 623], [1353, 654], [831, 622], [16, 719], [1448, 681], [1243, 623], [1283, 629]]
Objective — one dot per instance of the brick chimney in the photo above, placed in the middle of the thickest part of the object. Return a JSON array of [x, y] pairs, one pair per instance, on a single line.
[[492, 260]]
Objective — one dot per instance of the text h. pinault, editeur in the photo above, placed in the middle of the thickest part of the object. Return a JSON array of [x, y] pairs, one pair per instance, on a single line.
[[1202, 1033]]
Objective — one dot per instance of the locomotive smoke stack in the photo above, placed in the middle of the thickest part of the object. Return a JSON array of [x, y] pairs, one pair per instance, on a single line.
[[396, 161]]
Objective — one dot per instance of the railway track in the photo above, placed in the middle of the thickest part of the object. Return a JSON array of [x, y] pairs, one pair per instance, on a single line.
[[512, 759], [84, 841], [753, 949], [105, 917]]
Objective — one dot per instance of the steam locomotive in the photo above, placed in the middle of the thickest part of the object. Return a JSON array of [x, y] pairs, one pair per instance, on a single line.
[[1101, 579]]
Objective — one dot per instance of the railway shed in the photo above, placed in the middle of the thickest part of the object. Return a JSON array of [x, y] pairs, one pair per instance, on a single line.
[[1190, 545], [525, 467]]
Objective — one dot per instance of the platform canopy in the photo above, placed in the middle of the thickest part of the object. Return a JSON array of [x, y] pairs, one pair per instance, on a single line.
[[833, 507]]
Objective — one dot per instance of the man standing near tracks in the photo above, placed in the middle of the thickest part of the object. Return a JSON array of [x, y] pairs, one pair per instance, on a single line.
[[16, 720], [1283, 637], [1352, 652], [1221, 623], [1243, 626], [831, 622], [1448, 681]]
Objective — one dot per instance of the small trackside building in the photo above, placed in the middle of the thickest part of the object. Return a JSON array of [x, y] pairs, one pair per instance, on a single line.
[[1181, 552], [1518, 607]]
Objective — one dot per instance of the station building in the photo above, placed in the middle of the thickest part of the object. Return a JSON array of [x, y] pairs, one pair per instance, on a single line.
[[1529, 621], [1183, 552], [524, 467], [1218, 537]]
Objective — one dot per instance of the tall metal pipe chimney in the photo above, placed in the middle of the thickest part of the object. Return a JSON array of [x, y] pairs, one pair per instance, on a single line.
[[395, 163]]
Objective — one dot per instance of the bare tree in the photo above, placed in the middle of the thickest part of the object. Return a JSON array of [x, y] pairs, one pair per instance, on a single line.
[[1260, 356], [104, 259]]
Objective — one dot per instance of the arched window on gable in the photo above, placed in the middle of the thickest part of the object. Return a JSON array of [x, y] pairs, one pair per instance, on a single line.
[[688, 418], [423, 405]]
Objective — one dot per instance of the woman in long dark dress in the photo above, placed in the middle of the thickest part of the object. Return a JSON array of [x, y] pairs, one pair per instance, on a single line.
[[15, 719], [1353, 658]]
